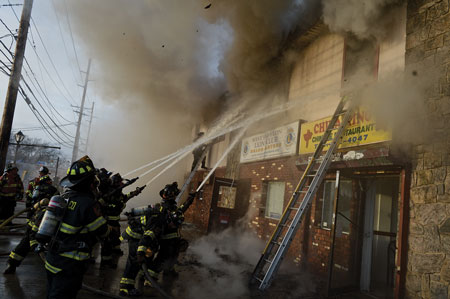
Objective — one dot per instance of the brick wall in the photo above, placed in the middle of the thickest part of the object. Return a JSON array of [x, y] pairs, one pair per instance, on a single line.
[[198, 213], [311, 246], [428, 49]]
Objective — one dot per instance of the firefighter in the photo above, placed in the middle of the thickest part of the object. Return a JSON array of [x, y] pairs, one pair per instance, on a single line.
[[171, 243], [44, 180], [197, 153], [113, 203], [40, 197], [81, 224], [137, 226], [11, 190]]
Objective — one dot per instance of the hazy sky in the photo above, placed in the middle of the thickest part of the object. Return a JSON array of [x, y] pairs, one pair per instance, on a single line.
[[59, 78]]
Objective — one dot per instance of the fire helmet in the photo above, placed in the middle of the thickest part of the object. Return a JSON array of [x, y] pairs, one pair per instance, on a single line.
[[44, 170], [80, 171], [10, 167], [170, 191], [116, 179]]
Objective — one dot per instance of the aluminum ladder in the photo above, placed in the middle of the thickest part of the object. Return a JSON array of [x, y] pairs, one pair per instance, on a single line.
[[305, 191], [191, 175]]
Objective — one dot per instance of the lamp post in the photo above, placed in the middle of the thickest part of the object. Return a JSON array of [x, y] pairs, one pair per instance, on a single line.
[[19, 138]]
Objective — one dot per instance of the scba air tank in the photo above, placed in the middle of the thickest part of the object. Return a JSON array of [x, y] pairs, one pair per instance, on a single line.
[[140, 211], [52, 218]]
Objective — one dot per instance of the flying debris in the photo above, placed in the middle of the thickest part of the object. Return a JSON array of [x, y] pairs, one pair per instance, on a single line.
[[208, 6]]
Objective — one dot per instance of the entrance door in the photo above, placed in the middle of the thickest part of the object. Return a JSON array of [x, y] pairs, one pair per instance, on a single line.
[[380, 234], [344, 263], [229, 203]]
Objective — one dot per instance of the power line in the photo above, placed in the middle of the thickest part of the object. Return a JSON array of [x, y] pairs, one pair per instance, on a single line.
[[41, 120], [51, 61], [37, 128], [49, 105], [71, 35], [45, 68], [64, 44], [29, 102]]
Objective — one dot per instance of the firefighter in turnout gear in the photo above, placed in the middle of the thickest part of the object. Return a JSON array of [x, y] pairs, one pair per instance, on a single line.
[[138, 226], [171, 243], [198, 152], [43, 180], [79, 228], [11, 190], [113, 203], [40, 197]]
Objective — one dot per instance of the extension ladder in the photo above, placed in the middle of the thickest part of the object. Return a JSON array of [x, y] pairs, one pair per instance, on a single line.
[[191, 175], [305, 191]]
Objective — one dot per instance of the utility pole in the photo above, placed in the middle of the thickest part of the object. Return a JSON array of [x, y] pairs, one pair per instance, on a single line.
[[56, 168], [14, 80], [80, 116], [90, 123]]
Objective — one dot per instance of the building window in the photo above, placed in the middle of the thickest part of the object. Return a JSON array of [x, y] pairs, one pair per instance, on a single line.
[[345, 197], [275, 199], [227, 197]]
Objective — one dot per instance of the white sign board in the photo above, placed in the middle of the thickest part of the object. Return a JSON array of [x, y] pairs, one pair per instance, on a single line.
[[275, 143]]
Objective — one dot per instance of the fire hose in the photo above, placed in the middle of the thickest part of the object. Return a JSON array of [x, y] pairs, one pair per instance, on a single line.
[[153, 282], [13, 216]]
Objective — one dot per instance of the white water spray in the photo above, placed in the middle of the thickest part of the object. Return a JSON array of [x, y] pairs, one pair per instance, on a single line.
[[236, 139]]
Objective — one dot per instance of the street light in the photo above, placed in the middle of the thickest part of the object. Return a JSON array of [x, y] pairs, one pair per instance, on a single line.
[[19, 138]]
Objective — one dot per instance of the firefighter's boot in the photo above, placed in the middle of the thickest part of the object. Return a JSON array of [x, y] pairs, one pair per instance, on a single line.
[[11, 269]]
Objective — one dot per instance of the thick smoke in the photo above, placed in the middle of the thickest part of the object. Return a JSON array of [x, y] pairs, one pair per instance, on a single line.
[[363, 18], [223, 264], [167, 66]]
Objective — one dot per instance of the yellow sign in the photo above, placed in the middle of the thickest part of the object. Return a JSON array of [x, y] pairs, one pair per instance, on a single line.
[[361, 130]]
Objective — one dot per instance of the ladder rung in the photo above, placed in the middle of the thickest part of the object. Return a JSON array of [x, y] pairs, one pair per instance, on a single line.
[[275, 242], [269, 261], [310, 175], [260, 280], [292, 208]]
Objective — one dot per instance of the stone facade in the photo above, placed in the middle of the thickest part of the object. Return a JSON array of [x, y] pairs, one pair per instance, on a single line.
[[428, 50]]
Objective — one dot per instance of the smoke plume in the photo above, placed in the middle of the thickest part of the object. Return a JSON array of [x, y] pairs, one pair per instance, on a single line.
[[363, 18]]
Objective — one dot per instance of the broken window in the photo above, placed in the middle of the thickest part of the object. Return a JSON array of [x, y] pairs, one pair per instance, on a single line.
[[275, 199], [227, 197]]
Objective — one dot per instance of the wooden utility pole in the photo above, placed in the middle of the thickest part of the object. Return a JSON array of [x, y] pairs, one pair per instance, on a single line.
[[90, 124], [80, 115], [14, 80]]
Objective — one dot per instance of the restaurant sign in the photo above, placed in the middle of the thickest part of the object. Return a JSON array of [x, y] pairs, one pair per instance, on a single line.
[[275, 143], [362, 130]]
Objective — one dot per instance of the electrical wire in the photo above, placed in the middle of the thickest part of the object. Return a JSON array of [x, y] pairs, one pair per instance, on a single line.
[[51, 60], [71, 34], [45, 96], [64, 44]]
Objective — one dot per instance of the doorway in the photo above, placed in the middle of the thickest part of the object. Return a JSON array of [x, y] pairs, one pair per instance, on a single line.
[[229, 203], [380, 236]]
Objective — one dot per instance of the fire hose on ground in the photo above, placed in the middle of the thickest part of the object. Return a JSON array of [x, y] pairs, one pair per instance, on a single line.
[[13, 216]]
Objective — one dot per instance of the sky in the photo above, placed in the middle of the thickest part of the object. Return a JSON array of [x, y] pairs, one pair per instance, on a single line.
[[55, 61]]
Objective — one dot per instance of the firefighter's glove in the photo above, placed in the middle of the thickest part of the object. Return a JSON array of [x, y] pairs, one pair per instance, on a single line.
[[140, 258], [39, 248], [148, 253]]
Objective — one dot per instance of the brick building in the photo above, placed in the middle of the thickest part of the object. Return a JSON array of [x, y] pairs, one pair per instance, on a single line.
[[392, 229]]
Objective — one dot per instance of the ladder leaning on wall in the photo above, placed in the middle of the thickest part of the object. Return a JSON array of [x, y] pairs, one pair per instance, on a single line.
[[305, 191]]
